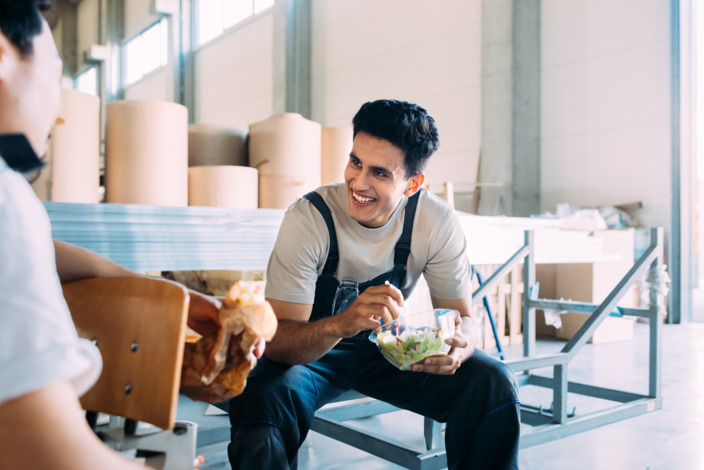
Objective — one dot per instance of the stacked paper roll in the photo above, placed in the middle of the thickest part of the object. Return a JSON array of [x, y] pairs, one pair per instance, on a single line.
[[223, 186], [146, 153], [74, 152], [336, 145], [286, 150], [279, 192], [209, 144]]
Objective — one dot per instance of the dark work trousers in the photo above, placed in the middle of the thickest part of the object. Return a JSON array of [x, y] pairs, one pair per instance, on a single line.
[[479, 403]]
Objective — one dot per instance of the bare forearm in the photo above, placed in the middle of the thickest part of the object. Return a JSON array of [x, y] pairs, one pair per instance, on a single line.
[[74, 263], [47, 429], [298, 342]]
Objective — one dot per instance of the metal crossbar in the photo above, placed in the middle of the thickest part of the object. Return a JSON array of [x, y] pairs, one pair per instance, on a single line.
[[555, 423], [545, 424]]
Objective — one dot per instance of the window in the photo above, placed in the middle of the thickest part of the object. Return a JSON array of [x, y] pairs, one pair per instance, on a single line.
[[146, 52], [87, 82], [215, 16]]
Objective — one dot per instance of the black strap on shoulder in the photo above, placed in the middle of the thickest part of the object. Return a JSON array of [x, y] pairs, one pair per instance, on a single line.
[[403, 246], [333, 254]]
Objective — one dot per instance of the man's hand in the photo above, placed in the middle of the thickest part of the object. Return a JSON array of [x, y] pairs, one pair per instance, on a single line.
[[203, 314], [462, 346], [258, 348], [374, 304]]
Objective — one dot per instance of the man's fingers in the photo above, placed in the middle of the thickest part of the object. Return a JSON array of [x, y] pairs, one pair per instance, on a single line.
[[388, 290], [440, 365], [381, 305], [394, 292], [373, 323], [259, 348], [386, 316], [457, 342]]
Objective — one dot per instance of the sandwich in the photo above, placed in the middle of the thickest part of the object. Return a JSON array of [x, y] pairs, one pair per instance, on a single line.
[[216, 366]]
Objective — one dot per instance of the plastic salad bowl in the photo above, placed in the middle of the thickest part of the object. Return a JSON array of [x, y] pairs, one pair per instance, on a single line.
[[412, 338]]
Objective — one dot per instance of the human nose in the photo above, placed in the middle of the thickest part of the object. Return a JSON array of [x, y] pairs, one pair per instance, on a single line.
[[361, 181]]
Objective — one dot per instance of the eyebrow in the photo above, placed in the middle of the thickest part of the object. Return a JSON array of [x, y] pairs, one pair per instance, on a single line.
[[375, 168]]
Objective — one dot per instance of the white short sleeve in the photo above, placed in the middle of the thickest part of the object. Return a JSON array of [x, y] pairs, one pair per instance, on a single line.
[[38, 341]]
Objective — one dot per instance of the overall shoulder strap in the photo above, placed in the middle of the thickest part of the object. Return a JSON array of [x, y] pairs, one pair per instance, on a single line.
[[333, 255], [403, 246]]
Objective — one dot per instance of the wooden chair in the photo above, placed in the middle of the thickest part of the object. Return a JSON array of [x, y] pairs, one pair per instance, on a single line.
[[138, 325]]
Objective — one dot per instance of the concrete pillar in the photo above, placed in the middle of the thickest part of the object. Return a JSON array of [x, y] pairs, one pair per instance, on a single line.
[[63, 21], [111, 82], [510, 107], [292, 23]]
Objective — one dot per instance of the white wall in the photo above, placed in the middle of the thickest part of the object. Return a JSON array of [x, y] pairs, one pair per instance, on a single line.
[[233, 83], [415, 50], [159, 84], [605, 105], [137, 16]]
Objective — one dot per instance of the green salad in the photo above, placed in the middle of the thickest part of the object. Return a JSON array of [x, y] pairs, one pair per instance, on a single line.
[[411, 347]]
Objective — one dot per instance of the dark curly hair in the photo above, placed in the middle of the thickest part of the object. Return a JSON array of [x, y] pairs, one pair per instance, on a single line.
[[21, 21], [406, 125]]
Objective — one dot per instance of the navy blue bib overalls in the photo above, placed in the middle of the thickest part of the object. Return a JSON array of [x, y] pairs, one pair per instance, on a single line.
[[326, 285], [479, 403]]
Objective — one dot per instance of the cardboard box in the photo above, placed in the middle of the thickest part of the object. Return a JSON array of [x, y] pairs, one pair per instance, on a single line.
[[611, 329], [590, 282]]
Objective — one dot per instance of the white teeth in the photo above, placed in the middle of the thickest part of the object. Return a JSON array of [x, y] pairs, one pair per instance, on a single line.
[[362, 199]]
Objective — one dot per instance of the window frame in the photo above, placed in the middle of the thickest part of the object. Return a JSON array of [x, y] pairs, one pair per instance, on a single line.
[[225, 30], [164, 48], [96, 71]]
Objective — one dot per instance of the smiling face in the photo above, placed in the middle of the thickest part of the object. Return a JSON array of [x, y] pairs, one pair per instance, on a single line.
[[30, 92], [376, 180]]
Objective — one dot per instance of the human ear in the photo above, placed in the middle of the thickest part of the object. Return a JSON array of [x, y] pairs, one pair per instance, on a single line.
[[414, 184]]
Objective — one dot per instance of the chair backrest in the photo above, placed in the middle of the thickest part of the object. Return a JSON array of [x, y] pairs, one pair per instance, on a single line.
[[139, 327]]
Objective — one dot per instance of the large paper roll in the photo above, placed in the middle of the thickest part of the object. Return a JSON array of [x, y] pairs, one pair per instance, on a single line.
[[216, 145], [223, 186], [279, 192], [146, 158], [286, 150], [285, 144], [73, 174], [336, 145]]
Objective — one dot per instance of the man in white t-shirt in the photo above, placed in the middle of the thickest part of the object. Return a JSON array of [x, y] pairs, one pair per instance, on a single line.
[[382, 231], [44, 366]]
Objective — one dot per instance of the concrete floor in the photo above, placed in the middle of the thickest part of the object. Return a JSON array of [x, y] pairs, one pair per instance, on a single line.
[[670, 438]]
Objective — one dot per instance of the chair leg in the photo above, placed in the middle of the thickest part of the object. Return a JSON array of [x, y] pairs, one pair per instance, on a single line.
[[92, 418], [177, 444], [432, 430], [173, 449], [130, 427]]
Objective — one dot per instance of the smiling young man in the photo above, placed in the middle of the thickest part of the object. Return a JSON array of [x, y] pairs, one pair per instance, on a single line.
[[381, 230]]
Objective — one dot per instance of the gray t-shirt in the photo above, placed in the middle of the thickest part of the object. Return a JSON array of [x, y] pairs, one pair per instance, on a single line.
[[438, 248]]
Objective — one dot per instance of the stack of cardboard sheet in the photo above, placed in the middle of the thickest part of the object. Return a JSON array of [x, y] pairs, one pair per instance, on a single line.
[[158, 238]]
